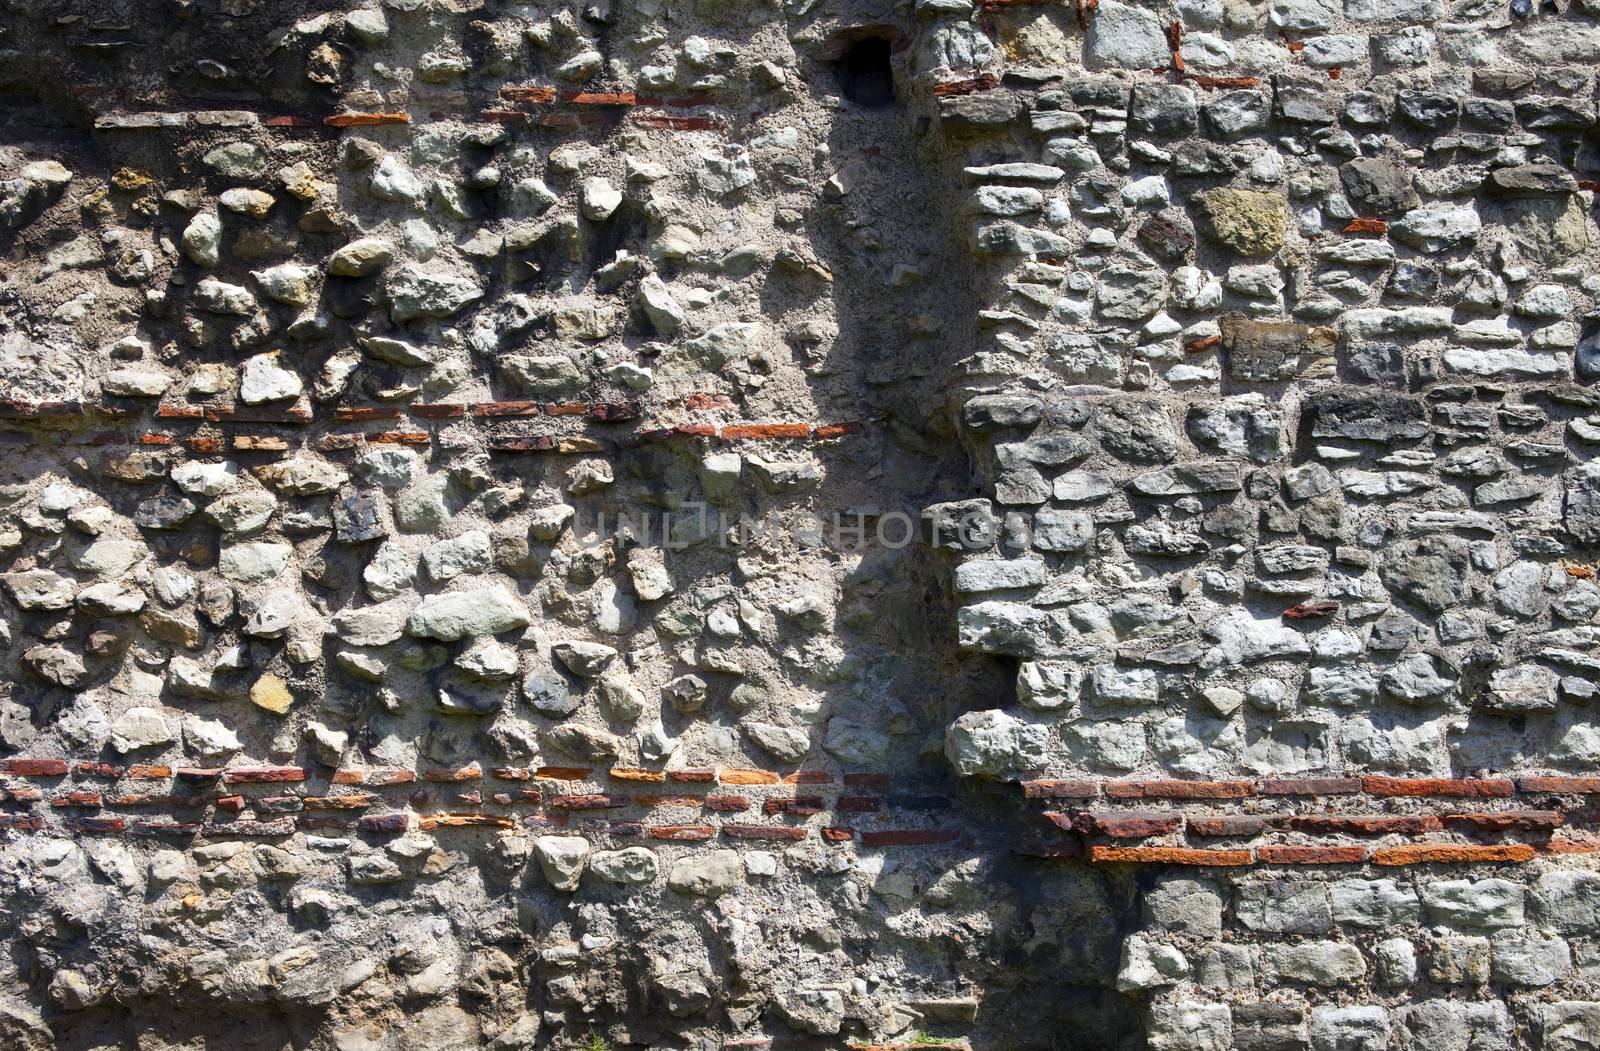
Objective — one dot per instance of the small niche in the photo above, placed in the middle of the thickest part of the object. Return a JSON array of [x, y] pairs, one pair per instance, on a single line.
[[867, 75]]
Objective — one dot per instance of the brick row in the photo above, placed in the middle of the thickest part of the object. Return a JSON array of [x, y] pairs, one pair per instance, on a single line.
[[1407, 854]]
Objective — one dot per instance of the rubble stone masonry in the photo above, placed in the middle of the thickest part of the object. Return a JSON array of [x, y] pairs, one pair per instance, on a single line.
[[1028, 525]]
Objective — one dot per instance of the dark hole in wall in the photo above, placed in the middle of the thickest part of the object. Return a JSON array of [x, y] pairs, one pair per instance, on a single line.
[[867, 75]]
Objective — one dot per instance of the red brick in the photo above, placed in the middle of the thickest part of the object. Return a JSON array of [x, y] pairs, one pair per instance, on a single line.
[[22, 822], [259, 774], [97, 770], [1571, 786], [384, 822], [76, 799], [808, 777], [1231, 825], [1042, 789], [1505, 821], [1172, 856], [150, 773], [231, 803], [799, 806], [448, 774], [764, 832], [588, 801], [762, 431], [365, 120], [1291, 855], [858, 804], [34, 767], [97, 823], [827, 432], [701, 777], [514, 443], [1421, 853], [682, 833], [22, 795], [1366, 226], [866, 780], [723, 804], [1455, 787], [834, 834], [1311, 610], [1178, 789], [911, 837], [1309, 786], [415, 438], [197, 775]]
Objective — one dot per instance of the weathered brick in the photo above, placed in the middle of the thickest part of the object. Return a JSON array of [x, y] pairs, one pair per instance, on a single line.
[[700, 777], [866, 780], [1309, 786], [1049, 789], [1231, 825], [34, 767], [588, 801], [141, 772], [910, 837], [858, 804], [808, 777], [98, 770], [1364, 824], [1172, 856], [446, 774], [1178, 789], [1419, 853], [432, 821], [262, 774], [619, 773], [1455, 787], [724, 804], [1131, 824], [385, 823], [764, 832], [354, 801], [746, 777], [1572, 786], [681, 833], [1504, 821], [800, 806], [1310, 855]]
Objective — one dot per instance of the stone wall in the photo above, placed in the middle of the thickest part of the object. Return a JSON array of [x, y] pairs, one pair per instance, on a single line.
[[697, 524]]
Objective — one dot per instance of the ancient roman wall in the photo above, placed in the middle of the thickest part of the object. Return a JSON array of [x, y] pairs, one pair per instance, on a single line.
[[699, 524]]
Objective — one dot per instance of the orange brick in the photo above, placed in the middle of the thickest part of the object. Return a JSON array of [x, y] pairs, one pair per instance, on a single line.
[[1178, 789], [622, 773], [1422, 853], [764, 431], [1171, 856], [746, 777]]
